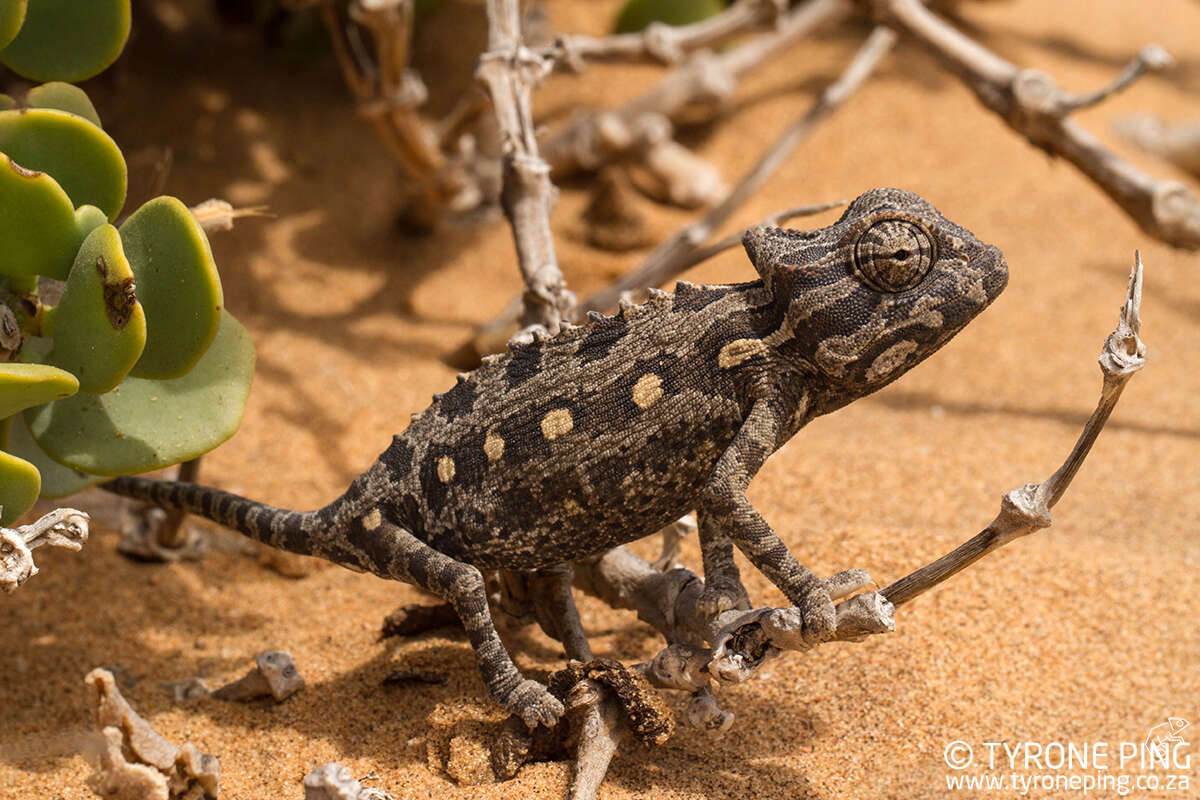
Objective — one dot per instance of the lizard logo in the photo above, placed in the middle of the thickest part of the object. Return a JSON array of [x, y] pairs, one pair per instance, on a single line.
[[1163, 735]]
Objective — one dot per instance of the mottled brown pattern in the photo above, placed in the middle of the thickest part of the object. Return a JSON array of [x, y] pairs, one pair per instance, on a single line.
[[569, 445]]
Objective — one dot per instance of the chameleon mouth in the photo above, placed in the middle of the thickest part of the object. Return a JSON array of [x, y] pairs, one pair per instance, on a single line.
[[996, 276]]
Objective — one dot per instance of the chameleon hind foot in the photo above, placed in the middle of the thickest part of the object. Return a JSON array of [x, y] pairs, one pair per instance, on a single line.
[[533, 703]]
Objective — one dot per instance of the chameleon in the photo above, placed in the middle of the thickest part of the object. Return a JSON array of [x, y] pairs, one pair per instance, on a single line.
[[570, 444]]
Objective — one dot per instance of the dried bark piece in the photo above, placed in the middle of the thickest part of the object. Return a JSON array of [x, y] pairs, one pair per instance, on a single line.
[[141, 538], [191, 689], [197, 774], [274, 675], [414, 619], [643, 709], [333, 781], [141, 741], [612, 219], [137, 763], [118, 779], [405, 677]]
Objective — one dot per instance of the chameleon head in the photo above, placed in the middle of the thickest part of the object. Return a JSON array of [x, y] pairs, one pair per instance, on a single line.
[[881, 289]]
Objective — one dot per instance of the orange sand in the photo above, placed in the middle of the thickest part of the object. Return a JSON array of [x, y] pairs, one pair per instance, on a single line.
[[1084, 633]]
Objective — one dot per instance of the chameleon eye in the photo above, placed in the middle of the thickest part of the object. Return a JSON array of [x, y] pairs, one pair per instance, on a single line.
[[893, 255]]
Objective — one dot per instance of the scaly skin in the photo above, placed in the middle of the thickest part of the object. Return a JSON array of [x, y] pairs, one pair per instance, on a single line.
[[570, 445]]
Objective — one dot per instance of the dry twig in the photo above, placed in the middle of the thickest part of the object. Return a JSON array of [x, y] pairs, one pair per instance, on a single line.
[[63, 527], [1034, 106], [666, 44], [510, 71], [683, 250], [390, 94], [1178, 143], [592, 139], [744, 639]]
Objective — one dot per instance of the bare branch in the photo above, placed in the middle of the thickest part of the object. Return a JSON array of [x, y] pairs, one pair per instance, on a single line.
[[1034, 106], [389, 95], [1022, 512], [681, 250], [509, 71], [63, 527], [660, 42], [733, 646], [594, 138], [1178, 143]]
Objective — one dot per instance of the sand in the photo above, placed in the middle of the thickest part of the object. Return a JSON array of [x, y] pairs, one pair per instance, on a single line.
[[1085, 633]]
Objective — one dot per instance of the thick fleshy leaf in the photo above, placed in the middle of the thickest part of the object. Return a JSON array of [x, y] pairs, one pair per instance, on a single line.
[[145, 424], [68, 40], [637, 14], [99, 327], [65, 97], [87, 219], [39, 229], [24, 386], [177, 284], [12, 14], [83, 159], [20, 483], [57, 480]]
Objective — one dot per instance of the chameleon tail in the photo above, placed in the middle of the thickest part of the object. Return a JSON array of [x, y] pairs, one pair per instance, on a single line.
[[288, 530]]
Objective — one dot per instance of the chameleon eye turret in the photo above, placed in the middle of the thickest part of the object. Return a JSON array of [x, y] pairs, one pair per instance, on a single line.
[[894, 254]]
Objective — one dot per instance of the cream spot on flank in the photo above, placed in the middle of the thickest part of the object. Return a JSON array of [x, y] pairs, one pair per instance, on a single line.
[[557, 423], [445, 469], [373, 520], [493, 446], [647, 390], [740, 350]]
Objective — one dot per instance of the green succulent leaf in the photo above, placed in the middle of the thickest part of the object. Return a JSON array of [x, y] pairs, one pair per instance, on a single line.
[[20, 484], [39, 228], [99, 327], [82, 158], [64, 97], [635, 15], [87, 219], [12, 14], [24, 386], [177, 283], [68, 40], [57, 480], [144, 424]]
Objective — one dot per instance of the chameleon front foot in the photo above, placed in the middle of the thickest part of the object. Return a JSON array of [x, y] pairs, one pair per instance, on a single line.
[[533, 703]]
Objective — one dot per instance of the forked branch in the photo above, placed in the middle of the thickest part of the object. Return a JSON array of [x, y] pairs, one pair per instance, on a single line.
[[680, 251], [666, 44], [1033, 105]]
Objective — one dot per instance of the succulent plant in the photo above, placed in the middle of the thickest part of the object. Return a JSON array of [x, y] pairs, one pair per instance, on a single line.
[[116, 353], [637, 14]]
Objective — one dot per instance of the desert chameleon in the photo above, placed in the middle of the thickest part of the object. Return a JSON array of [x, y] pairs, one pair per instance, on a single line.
[[571, 444]]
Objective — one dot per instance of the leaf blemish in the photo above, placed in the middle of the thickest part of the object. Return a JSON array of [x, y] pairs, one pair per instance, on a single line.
[[119, 297], [24, 172]]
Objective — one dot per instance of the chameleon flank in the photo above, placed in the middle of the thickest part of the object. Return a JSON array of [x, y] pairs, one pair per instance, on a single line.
[[575, 443]]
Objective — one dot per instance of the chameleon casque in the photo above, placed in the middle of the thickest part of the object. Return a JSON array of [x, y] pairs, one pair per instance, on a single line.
[[574, 443]]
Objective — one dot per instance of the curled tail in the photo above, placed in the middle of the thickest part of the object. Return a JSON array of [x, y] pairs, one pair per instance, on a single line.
[[294, 531]]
